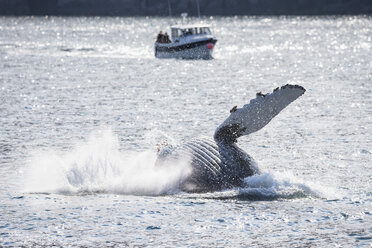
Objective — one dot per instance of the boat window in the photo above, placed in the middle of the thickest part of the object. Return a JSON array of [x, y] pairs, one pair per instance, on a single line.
[[176, 33], [188, 31], [205, 30]]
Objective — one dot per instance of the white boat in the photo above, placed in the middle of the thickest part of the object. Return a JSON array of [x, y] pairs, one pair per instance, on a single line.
[[186, 42]]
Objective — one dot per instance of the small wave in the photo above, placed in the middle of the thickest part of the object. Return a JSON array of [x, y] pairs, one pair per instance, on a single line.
[[82, 49], [86, 49], [66, 49], [8, 45], [97, 166]]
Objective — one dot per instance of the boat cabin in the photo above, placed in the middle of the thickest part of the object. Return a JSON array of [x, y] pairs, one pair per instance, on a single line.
[[178, 32]]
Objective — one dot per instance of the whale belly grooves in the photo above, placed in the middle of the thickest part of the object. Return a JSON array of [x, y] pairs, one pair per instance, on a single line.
[[214, 166]]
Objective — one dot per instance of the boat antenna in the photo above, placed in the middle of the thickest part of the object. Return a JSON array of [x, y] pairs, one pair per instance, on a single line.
[[184, 15], [169, 8], [197, 6]]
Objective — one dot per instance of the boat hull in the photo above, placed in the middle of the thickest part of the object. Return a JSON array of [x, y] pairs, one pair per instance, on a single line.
[[195, 50]]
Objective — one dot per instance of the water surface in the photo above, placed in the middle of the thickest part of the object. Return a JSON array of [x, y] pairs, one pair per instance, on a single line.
[[83, 103]]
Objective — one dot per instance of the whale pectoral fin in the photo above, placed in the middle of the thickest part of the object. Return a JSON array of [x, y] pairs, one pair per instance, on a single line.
[[257, 114]]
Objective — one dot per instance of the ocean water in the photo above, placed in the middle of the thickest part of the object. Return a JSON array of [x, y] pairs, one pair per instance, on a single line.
[[84, 104]]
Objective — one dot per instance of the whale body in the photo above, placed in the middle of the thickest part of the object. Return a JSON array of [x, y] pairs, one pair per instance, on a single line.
[[219, 163]]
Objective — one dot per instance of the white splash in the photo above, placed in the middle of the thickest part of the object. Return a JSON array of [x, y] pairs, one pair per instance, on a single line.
[[97, 165], [284, 185]]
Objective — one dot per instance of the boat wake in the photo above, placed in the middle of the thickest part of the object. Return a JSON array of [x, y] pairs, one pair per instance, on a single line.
[[98, 166]]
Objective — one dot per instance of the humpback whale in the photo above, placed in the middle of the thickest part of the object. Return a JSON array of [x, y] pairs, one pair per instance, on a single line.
[[219, 163]]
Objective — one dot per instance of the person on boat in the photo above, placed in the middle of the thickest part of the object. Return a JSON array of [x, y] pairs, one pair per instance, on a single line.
[[166, 38], [188, 32], [160, 38]]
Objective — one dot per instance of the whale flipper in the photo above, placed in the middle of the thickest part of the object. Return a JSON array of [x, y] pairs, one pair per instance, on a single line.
[[257, 114]]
